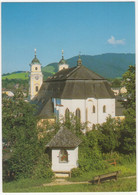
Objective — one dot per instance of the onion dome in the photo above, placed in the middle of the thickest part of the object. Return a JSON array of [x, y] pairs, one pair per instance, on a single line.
[[79, 61], [62, 61], [35, 60]]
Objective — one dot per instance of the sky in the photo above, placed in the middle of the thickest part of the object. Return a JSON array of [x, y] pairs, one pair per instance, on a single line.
[[91, 28]]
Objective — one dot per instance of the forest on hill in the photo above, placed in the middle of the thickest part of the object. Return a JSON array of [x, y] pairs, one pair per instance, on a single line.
[[110, 65]]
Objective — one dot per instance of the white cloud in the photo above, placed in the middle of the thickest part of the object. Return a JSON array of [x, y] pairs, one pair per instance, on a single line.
[[113, 41]]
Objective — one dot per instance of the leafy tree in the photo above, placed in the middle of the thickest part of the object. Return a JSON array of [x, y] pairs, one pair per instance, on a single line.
[[128, 130], [108, 135], [90, 156], [116, 83], [19, 130], [129, 83], [74, 124], [128, 133]]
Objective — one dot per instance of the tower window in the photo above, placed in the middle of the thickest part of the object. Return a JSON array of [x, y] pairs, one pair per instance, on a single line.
[[104, 109], [93, 109], [36, 68], [36, 88], [63, 156]]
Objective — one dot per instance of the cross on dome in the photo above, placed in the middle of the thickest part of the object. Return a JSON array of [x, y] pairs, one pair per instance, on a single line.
[[35, 52], [62, 51], [62, 54]]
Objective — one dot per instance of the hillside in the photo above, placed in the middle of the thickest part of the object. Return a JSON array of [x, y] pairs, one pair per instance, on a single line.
[[107, 65], [16, 75]]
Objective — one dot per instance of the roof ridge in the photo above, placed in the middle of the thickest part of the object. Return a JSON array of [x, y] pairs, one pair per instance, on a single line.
[[95, 73], [76, 68]]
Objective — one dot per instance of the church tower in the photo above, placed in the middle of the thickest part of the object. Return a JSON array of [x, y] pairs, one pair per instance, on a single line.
[[62, 63], [36, 77]]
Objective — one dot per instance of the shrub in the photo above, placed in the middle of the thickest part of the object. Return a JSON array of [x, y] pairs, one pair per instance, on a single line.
[[108, 135], [113, 155], [76, 172], [90, 159], [127, 159], [43, 168]]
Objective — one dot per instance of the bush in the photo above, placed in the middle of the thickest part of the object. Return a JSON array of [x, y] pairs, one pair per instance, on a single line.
[[91, 159], [122, 159], [90, 156], [43, 168], [76, 172], [113, 155], [127, 159]]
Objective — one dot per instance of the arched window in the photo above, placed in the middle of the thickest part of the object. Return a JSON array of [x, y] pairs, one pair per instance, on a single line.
[[63, 156], [78, 115], [67, 115], [93, 109], [36, 68], [36, 88], [104, 109]]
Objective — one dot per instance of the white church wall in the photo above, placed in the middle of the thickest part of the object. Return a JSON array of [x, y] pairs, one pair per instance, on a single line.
[[110, 109], [86, 108], [91, 116], [73, 105], [64, 166]]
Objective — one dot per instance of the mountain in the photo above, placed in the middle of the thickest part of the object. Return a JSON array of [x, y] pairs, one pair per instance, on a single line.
[[110, 65]]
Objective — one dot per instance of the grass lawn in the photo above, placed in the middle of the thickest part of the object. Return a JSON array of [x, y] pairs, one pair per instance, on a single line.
[[121, 185], [126, 170]]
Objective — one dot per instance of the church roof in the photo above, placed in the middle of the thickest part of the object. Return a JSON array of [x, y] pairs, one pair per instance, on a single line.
[[73, 83], [45, 108], [76, 73], [64, 139]]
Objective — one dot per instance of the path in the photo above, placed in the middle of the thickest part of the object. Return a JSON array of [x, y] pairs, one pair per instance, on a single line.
[[65, 182]]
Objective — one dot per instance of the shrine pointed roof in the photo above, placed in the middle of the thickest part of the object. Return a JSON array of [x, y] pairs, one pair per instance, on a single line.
[[64, 139]]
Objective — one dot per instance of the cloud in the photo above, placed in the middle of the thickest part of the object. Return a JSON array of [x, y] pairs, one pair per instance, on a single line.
[[113, 41]]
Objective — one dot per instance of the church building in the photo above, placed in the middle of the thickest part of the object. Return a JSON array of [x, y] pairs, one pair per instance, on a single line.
[[75, 90]]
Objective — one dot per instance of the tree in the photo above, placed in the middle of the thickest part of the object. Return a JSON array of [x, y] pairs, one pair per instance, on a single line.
[[116, 82], [20, 132], [128, 130], [108, 135], [90, 156], [128, 133], [129, 82]]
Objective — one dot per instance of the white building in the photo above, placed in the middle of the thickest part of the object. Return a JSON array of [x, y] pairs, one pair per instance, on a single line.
[[64, 152], [77, 90]]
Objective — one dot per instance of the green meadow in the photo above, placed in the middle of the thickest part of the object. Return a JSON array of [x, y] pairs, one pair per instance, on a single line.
[[126, 182], [22, 75]]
